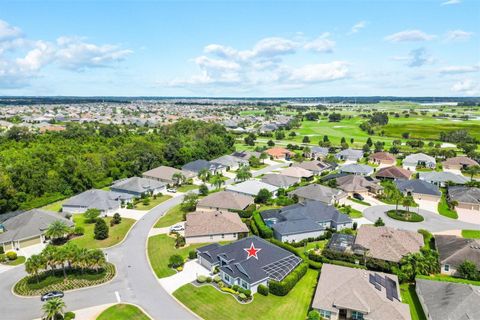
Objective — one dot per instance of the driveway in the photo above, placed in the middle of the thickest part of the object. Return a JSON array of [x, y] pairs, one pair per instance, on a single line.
[[428, 205], [132, 213], [432, 221], [466, 215], [191, 270]]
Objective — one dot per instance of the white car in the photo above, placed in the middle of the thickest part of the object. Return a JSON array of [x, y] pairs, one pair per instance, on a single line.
[[172, 190], [177, 228]]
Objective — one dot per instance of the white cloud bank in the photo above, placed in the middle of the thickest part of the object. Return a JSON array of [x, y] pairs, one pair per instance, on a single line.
[[466, 87], [409, 36]]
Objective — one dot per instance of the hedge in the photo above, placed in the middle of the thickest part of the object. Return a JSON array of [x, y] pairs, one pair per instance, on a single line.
[[263, 290], [253, 228], [281, 288], [265, 232], [338, 258]]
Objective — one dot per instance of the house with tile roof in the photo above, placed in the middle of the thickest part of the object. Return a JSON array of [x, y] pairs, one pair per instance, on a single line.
[[393, 173], [382, 158], [224, 201], [351, 184], [459, 163], [280, 153], [318, 192]]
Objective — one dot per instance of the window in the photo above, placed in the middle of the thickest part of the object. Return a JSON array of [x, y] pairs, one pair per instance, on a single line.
[[357, 315], [447, 267], [223, 236], [226, 277], [325, 314]]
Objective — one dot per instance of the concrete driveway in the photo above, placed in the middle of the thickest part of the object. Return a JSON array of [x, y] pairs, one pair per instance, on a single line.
[[432, 221], [428, 205], [466, 215], [191, 270], [131, 213]]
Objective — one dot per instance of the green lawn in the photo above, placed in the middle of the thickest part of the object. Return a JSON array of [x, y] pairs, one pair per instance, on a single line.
[[312, 245], [55, 206], [403, 215], [445, 278], [172, 216], [187, 187], [444, 210], [160, 248], [407, 291], [352, 213], [211, 304], [123, 312], [153, 202], [116, 233], [471, 234], [16, 262], [364, 203]]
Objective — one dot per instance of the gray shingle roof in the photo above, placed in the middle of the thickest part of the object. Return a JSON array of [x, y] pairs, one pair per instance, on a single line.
[[229, 161], [464, 194], [226, 200], [279, 180], [166, 173], [95, 199], [197, 165], [137, 185], [318, 192], [213, 223], [251, 187], [351, 154], [413, 159], [356, 168], [442, 177], [455, 250], [418, 186]]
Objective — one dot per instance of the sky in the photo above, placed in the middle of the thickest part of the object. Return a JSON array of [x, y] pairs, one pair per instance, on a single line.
[[240, 48]]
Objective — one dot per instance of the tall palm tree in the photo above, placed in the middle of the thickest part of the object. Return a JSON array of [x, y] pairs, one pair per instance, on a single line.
[[204, 174], [34, 264], [472, 170], [71, 253], [53, 308], [96, 259], [179, 178], [57, 229], [50, 255], [243, 173], [396, 196], [217, 181], [407, 202], [82, 259]]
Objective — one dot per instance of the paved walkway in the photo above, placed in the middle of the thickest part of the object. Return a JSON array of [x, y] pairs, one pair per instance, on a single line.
[[433, 221], [191, 270]]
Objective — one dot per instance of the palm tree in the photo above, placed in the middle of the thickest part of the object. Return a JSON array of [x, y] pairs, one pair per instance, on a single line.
[[82, 259], [96, 259], [51, 257], [243, 173], [57, 229], [472, 170], [204, 174], [407, 202], [217, 181], [179, 178], [396, 196], [34, 264], [53, 308], [71, 253]]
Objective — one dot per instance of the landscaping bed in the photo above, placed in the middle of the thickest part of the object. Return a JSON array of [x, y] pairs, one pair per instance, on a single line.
[[403, 215], [123, 312], [15, 262], [49, 281]]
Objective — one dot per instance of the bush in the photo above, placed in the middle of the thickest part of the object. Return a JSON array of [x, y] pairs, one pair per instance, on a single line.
[[281, 288], [265, 232], [203, 190], [179, 268], [78, 231], [201, 279], [227, 289], [146, 201], [217, 279], [180, 241], [242, 297], [91, 215], [1, 250], [263, 290], [253, 228], [69, 315], [101, 230], [313, 315], [175, 261], [11, 255], [209, 279], [129, 205], [117, 218], [192, 254]]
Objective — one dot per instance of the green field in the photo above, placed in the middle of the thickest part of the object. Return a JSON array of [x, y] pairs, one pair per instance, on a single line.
[[123, 312], [211, 304]]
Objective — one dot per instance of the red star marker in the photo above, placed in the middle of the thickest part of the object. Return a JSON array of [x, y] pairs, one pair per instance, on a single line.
[[252, 251]]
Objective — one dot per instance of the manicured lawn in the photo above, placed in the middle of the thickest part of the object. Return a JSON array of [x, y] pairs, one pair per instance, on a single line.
[[55, 206], [402, 215], [444, 210], [359, 201], [261, 166], [264, 207], [123, 312], [211, 304], [187, 187], [471, 234], [445, 278], [312, 245], [174, 215], [16, 262], [116, 233], [407, 291], [153, 202], [352, 213], [160, 248]]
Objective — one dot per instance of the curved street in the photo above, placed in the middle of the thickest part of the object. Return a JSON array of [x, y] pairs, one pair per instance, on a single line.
[[134, 283]]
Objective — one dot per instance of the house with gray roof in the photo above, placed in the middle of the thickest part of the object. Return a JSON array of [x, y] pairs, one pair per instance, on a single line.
[[412, 161], [248, 262], [453, 251], [106, 201], [138, 187], [448, 300], [466, 197], [419, 189], [317, 153], [252, 187], [165, 174], [349, 155], [230, 162], [304, 220], [198, 165], [224, 201], [357, 169], [351, 293], [441, 178], [27, 228], [246, 155], [280, 180], [318, 192], [315, 166]]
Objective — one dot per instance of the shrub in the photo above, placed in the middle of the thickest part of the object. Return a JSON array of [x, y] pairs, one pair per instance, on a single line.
[[217, 279], [91, 215], [263, 290], [236, 287], [247, 292], [1, 250], [11, 255], [209, 279], [229, 290], [179, 268], [192, 254], [313, 315], [175, 261], [281, 288], [265, 232], [201, 279], [101, 230], [253, 228], [129, 205], [179, 241], [69, 315], [203, 190], [242, 297], [117, 218], [78, 231], [146, 202]]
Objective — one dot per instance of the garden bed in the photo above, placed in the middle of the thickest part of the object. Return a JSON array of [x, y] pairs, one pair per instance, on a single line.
[[404, 215], [50, 281]]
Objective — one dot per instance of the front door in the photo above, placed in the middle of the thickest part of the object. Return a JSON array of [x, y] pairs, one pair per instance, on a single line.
[[342, 314]]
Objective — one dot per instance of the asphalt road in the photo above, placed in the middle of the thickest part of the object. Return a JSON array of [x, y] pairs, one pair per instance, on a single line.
[[134, 283]]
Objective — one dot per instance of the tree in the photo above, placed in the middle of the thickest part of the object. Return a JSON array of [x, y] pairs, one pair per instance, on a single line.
[[204, 174], [243, 173], [263, 157], [117, 219], [263, 196], [468, 270], [306, 139], [270, 143], [472, 171], [57, 229], [34, 264], [91, 215], [179, 178], [53, 308], [100, 231], [203, 190], [189, 202], [292, 134], [250, 139], [279, 135], [254, 162], [217, 180], [407, 202], [334, 117], [175, 261], [96, 259], [379, 223]]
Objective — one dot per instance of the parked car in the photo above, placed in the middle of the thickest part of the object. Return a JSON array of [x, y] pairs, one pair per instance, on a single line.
[[51, 295], [172, 190], [358, 196], [177, 228]]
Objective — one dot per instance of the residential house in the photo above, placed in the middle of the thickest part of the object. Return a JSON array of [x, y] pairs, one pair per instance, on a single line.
[[466, 197], [448, 300], [341, 242], [198, 165], [230, 162], [357, 294], [27, 228], [385, 243], [304, 220], [382, 158], [358, 184], [357, 169], [459, 163], [248, 262], [165, 174], [214, 226], [139, 187], [412, 161], [315, 166], [317, 153], [279, 180], [442, 178], [453, 251], [393, 173], [318, 192], [251, 188], [280, 153], [297, 172], [419, 189], [224, 201], [246, 155], [351, 155], [106, 201]]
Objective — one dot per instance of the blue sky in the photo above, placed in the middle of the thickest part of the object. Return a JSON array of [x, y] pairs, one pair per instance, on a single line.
[[249, 48]]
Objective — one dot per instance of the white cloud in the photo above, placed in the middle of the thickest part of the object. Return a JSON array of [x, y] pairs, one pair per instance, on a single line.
[[8, 32], [450, 2], [466, 87], [335, 70], [357, 27], [322, 44], [459, 69], [458, 35], [270, 47], [409, 36]]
